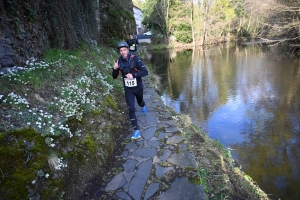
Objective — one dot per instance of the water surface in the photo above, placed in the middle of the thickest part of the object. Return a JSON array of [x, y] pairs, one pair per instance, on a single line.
[[247, 97]]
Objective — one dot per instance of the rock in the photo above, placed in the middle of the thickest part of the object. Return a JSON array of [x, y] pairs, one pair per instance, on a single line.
[[153, 143], [123, 195], [182, 189], [53, 163], [161, 136], [7, 61], [149, 133], [129, 165], [139, 180], [175, 139], [183, 159], [128, 176], [124, 154], [117, 182], [170, 122], [144, 169], [145, 152], [172, 129], [130, 145], [150, 119], [38, 97], [151, 190], [161, 171], [165, 155], [155, 160], [183, 147]]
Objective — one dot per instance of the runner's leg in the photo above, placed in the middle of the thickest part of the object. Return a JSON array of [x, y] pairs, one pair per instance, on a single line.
[[140, 97], [130, 100]]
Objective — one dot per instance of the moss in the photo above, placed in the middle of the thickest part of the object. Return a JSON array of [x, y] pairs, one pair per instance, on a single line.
[[195, 180], [112, 102], [22, 153], [189, 169], [90, 142], [1, 137], [97, 112], [55, 189], [163, 163]]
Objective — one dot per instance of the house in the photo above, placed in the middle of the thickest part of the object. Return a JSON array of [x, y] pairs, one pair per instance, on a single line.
[[138, 16]]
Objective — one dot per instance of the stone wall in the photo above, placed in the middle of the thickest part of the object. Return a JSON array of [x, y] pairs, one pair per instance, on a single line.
[[29, 28], [20, 39]]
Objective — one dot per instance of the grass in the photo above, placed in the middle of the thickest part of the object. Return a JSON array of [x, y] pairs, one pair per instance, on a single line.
[[66, 105]]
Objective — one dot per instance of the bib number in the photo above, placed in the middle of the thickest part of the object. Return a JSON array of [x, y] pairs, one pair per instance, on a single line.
[[132, 48], [130, 82]]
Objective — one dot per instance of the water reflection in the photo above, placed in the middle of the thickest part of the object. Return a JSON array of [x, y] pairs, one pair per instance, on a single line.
[[249, 99]]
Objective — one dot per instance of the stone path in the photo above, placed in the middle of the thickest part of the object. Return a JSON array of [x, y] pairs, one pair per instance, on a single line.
[[159, 165]]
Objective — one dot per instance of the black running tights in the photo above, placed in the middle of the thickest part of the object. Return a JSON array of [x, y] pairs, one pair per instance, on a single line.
[[130, 95]]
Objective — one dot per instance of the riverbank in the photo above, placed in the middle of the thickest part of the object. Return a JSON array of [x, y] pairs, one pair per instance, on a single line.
[[64, 127]]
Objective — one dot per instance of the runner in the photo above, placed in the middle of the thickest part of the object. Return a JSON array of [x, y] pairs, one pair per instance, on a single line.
[[132, 69], [133, 44]]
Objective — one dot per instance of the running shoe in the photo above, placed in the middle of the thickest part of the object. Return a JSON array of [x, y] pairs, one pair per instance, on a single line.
[[136, 135], [144, 110]]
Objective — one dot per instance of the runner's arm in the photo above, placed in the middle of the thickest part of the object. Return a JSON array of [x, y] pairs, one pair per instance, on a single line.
[[142, 70], [115, 72]]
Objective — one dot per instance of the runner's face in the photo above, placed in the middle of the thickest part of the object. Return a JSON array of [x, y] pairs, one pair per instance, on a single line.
[[131, 36], [124, 52]]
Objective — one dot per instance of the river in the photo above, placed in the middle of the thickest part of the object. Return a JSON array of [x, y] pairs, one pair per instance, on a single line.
[[248, 98]]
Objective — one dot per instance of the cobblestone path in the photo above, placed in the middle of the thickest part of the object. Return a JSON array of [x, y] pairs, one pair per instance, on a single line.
[[159, 165]]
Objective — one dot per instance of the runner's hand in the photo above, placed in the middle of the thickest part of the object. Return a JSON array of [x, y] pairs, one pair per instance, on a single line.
[[129, 76], [116, 64]]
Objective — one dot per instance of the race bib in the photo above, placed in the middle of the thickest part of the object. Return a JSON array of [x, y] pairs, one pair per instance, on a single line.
[[132, 48], [130, 82]]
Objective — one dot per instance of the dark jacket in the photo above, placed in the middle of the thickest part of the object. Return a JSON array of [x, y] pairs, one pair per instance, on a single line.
[[133, 44], [132, 65]]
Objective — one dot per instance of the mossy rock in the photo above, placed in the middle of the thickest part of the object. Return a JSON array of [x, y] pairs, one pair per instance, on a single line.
[[90, 143], [22, 154]]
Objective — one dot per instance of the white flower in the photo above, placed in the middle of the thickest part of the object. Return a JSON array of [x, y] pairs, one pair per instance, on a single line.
[[47, 175]]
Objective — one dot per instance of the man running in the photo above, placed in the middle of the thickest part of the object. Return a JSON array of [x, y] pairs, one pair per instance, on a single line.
[[133, 44], [132, 69]]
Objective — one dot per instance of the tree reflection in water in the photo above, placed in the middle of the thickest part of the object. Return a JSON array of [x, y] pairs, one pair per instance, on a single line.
[[246, 96]]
